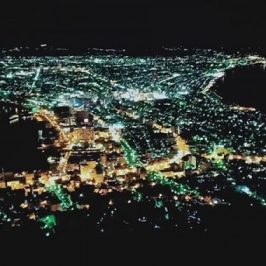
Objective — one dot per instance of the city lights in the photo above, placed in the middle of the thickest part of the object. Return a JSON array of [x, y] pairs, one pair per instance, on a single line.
[[138, 143]]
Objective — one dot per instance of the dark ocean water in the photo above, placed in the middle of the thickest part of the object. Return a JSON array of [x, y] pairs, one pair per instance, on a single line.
[[244, 86]]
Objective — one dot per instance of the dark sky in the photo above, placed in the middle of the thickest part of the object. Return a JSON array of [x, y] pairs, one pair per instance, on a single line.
[[137, 23]]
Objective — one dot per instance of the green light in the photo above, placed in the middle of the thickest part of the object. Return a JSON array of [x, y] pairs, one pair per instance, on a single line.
[[49, 222], [65, 199], [137, 196], [131, 155], [158, 203], [220, 164], [251, 194], [4, 217], [176, 188], [189, 166]]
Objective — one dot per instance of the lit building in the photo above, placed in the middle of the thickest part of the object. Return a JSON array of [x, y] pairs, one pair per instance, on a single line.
[[98, 178], [83, 134], [85, 171], [103, 158]]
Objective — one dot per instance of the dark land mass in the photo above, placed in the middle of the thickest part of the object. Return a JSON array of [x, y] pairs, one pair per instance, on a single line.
[[18, 144], [234, 231]]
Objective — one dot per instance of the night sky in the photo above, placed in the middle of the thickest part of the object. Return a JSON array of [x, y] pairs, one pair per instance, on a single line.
[[134, 24]]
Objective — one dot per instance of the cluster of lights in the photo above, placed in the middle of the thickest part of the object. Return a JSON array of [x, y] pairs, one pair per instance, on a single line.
[[48, 224], [64, 198], [137, 196], [176, 188], [183, 83], [4, 217], [130, 154], [246, 190]]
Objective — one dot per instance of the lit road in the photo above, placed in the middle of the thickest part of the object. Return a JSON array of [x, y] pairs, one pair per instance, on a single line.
[[38, 72], [181, 144], [63, 138], [249, 159], [64, 160], [49, 117]]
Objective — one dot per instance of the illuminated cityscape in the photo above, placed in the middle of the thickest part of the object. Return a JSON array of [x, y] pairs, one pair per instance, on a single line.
[[124, 143]]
